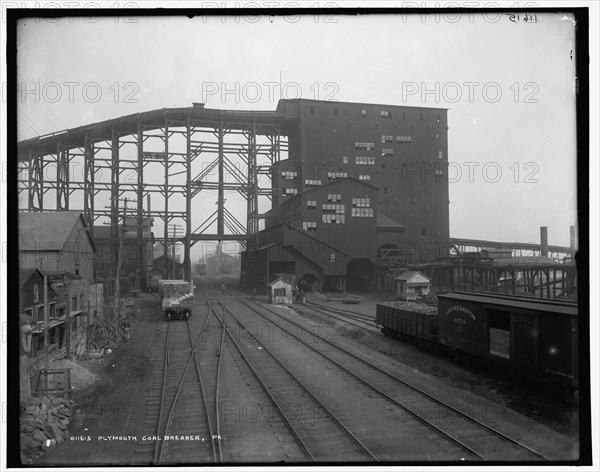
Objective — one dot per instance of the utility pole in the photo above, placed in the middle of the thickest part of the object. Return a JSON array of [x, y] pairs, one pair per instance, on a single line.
[[175, 230]]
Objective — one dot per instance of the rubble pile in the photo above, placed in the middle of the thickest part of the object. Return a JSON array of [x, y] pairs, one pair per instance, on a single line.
[[413, 306], [44, 422]]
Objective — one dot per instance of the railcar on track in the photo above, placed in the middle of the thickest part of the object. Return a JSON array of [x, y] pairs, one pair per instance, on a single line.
[[531, 336]]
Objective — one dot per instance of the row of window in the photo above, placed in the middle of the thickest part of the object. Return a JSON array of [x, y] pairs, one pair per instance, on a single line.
[[312, 183], [333, 208], [290, 191], [364, 146], [364, 177], [309, 226], [334, 197], [334, 219], [336, 175], [311, 204], [361, 202], [365, 160], [362, 212], [289, 174], [387, 152]]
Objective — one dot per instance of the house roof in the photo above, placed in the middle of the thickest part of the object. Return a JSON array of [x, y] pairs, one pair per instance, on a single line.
[[48, 231], [409, 275], [286, 280], [26, 274], [386, 222]]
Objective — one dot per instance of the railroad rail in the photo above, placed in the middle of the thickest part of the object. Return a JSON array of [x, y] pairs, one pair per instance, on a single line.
[[326, 439], [477, 438], [179, 425]]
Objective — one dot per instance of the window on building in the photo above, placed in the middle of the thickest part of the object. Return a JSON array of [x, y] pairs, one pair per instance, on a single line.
[[364, 146], [74, 304], [383, 166], [439, 118], [52, 336], [361, 202], [334, 197], [290, 191], [362, 212], [440, 155], [309, 226], [289, 174], [52, 314], [387, 152], [386, 190], [36, 293], [336, 175], [332, 257], [367, 160], [387, 139], [40, 314], [333, 219], [363, 113], [364, 177], [345, 159], [311, 204], [386, 114], [279, 292], [312, 183], [404, 139], [439, 172], [61, 312]]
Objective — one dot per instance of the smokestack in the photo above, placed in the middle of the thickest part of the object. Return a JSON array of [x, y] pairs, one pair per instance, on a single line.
[[573, 240], [544, 240]]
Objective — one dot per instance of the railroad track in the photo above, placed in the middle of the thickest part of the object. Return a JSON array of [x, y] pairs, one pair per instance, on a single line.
[[182, 418], [319, 432], [477, 439], [364, 323]]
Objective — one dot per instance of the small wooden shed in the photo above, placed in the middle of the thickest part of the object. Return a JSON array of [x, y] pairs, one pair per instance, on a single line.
[[280, 290], [412, 284]]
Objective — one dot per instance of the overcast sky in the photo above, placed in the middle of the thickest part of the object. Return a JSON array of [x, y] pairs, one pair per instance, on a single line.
[[509, 88]]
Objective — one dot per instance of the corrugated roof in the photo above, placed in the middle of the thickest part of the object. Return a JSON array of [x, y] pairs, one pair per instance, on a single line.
[[384, 221], [46, 231]]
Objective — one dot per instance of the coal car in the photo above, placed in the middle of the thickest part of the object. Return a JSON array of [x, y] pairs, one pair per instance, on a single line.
[[533, 336]]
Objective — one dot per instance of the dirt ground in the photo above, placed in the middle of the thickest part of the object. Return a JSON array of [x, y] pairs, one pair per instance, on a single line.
[[114, 405]]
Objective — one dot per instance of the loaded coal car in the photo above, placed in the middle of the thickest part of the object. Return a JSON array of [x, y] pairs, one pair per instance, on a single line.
[[532, 337], [176, 298], [529, 335], [408, 320]]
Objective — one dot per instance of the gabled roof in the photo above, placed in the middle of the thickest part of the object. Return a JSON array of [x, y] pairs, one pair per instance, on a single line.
[[410, 274], [48, 231], [26, 274], [386, 222], [289, 280]]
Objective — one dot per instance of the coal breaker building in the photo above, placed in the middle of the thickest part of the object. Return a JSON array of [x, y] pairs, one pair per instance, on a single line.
[[363, 183]]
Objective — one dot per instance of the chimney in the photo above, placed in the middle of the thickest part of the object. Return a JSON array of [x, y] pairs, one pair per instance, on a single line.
[[544, 240]]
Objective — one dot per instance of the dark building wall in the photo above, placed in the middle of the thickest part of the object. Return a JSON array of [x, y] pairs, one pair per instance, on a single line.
[[412, 180]]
